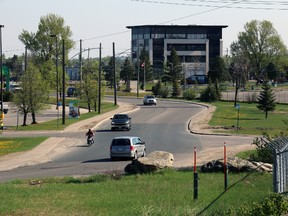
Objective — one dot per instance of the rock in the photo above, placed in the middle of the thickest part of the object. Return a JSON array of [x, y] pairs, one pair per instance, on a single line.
[[235, 165], [153, 162]]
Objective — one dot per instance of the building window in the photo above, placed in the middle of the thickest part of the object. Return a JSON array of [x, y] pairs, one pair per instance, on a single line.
[[176, 36]]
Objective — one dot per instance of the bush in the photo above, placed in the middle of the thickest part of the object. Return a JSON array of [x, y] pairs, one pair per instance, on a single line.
[[7, 96], [189, 94], [164, 92]]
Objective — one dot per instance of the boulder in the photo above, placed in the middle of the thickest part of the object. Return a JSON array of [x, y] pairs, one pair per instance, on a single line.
[[236, 165], [153, 162]]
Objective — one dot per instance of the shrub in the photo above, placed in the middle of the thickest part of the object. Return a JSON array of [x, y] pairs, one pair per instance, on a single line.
[[189, 94], [164, 92]]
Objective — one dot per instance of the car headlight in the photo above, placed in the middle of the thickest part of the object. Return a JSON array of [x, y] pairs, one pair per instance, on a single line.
[[112, 123]]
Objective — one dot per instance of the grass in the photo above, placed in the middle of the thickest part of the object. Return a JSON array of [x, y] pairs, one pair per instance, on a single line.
[[251, 120], [18, 144], [169, 192]]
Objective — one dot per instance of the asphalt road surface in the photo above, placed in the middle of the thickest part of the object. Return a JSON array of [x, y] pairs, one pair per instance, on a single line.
[[163, 127]]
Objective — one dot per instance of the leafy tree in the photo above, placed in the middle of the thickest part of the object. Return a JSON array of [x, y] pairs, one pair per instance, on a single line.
[[33, 95], [174, 72], [261, 44], [126, 73], [218, 71], [90, 84], [271, 71], [211, 93], [238, 69], [42, 46], [266, 99]]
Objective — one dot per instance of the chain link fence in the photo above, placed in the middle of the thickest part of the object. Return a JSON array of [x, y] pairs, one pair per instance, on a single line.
[[280, 164]]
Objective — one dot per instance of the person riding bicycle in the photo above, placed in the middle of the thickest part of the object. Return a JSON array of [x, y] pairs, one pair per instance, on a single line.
[[90, 134]]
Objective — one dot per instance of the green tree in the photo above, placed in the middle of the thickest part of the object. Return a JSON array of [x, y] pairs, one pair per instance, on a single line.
[[174, 72], [218, 71], [261, 44], [126, 73], [33, 95], [90, 84], [272, 72], [42, 46], [266, 99]]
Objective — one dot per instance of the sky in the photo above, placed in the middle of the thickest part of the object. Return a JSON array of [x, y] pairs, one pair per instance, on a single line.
[[105, 21]]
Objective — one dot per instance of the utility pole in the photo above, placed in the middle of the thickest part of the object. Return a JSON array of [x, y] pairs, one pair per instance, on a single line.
[[1, 77], [138, 68], [99, 79], [114, 72], [63, 81], [80, 66]]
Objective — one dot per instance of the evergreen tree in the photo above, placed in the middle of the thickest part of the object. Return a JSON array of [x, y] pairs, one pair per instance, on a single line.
[[174, 72], [266, 99]]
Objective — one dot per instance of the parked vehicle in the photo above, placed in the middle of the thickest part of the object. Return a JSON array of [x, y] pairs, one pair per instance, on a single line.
[[71, 91], [121, 122], [127, 147], [149, 99]]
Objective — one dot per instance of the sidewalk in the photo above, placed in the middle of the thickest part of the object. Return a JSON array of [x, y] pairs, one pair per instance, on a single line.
[[51, 147]]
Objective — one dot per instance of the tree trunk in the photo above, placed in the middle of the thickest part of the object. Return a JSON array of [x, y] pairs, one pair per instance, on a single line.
[[24, 119], [33, 118], [266, 114]]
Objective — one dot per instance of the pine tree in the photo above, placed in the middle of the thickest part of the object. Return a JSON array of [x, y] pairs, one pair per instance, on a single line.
[[266, 99]]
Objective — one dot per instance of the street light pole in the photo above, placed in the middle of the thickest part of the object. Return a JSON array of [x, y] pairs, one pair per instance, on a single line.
[[57, 77], [1, 76]]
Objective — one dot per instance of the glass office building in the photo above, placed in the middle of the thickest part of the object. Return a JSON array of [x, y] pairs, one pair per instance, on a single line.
[[196, 45]]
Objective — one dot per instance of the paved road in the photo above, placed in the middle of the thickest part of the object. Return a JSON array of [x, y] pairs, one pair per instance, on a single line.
[[163, 127]]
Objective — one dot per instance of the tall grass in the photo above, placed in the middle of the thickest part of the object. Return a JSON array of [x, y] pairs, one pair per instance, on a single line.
[[168, 192]]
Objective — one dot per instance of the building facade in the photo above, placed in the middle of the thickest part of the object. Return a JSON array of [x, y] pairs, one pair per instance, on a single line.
[[196, 45]]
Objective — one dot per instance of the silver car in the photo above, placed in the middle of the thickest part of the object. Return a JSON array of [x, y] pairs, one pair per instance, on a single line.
[[149, 99], [127, 147]]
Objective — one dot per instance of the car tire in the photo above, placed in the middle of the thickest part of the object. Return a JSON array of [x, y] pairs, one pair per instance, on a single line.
[[135, 156], [144, 153]]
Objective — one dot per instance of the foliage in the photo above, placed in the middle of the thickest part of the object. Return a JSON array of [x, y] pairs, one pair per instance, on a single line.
[[189, 94], [266, 99], [218, 71], [173, 72], [33, 95], [260, 44], [42, 46], [271, 72], [263, 151], [275, 204], [126, 73], [211, 93], [90, 86]]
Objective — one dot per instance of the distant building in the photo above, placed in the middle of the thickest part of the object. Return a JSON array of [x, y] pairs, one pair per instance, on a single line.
[[196, 45]]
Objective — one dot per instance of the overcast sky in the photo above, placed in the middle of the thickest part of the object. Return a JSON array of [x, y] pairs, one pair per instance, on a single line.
[[96, 21]]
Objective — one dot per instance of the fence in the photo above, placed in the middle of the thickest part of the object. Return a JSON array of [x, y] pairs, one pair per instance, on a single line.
[[280, 164], [251, 96]]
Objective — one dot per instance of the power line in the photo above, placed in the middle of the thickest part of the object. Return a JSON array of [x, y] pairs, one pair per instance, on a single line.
[[222, 4]]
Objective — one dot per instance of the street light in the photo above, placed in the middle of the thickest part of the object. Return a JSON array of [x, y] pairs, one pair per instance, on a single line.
[[57, 77], [1, 77]]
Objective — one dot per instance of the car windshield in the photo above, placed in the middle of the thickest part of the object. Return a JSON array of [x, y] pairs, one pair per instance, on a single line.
[[120, 117], [150, 96], [118, 142]]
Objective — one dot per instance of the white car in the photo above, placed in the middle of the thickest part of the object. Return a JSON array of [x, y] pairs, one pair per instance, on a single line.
[[149, 99], [127, 147]]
